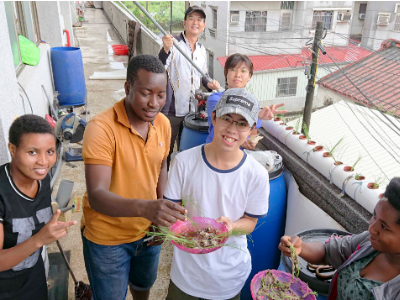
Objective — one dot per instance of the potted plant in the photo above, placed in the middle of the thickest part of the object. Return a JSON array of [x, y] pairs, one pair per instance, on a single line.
[[337, 156], [305, 129], [318, 148], [359, 177], [378, 180], [331, 148], [277, 117], [351, 169], [297, 125]]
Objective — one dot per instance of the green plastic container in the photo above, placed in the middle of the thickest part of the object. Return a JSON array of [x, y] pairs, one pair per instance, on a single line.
[[30, 53]]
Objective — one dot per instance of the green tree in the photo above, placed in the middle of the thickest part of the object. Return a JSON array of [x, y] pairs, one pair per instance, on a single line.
[[160, 11]]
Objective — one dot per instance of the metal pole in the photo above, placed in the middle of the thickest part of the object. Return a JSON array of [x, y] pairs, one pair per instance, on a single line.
[[147, 5], [313, 74], [170, 19], [175, 43]]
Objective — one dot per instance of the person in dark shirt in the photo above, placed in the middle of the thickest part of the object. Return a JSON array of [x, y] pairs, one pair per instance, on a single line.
[[26, 219]]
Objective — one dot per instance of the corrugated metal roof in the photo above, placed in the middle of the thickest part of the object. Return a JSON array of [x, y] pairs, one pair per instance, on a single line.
[[330, 124], [377, 76], [349, 53]]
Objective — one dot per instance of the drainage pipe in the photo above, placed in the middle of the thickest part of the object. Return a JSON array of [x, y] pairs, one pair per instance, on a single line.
[[68, 38]]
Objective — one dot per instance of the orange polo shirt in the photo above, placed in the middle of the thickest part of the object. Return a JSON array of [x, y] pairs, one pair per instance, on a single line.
[[110, 140]]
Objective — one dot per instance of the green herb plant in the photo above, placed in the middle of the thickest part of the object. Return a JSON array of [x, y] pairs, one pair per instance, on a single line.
[[338, 154], [359, 176], [357, 161], [297, 124], [305, 129], [331, 148], [378, 180]]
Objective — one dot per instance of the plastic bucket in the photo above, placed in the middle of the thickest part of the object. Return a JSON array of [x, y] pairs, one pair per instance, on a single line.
[[194, 133], [313, 235], [69, 79], [269, 230]]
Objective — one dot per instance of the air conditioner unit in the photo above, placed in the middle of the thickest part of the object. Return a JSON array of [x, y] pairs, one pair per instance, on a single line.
[[383, 19], [361, 16], [344, 17]]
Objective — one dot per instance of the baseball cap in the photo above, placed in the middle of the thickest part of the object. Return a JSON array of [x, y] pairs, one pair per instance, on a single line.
[[193, 9], [238, 101]]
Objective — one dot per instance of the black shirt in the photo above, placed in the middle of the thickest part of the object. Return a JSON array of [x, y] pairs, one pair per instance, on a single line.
[[22, 217]]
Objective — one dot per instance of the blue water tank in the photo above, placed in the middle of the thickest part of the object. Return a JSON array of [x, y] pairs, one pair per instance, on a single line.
[[194, 133], [69, 79], [269, 230]]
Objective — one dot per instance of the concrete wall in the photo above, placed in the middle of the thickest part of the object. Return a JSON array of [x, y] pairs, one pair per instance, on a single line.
[[325, 95], [148, 42], [66, 13], [262, 43], [51, 22], [304, 16], [264, 86], [14, 102], [357, 24], [373, 34]]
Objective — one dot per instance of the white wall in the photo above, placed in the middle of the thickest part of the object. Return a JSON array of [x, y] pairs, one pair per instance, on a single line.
[[357, 24], [374, 35], [264, 84], [14, 102], [51, 22]]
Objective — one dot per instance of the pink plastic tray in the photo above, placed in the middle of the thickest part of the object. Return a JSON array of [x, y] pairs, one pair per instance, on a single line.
[[298, 286], [202, 223]]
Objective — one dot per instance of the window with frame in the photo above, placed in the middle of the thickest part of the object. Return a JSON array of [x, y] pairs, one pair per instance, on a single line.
[[286, 20], [287, 5], [286, 87], [323, 15], [215, 20], [397, 22], [363, 8], [21, 20], [210, 64], [234, 16], [256, 21]]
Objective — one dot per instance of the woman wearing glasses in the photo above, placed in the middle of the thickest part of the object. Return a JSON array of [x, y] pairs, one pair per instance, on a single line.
[[238, 71]]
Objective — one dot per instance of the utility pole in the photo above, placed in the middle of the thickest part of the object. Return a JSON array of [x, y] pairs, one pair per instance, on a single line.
[[313, 74], [170, 20], [147, 6]]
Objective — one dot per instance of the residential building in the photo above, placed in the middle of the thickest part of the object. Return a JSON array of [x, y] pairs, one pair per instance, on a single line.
[[358, 19], [372, 81], [23, 88], [277, 30], [382, 22]]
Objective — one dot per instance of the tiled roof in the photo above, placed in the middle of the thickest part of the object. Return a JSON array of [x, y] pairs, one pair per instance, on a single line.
[[348, 53], [377, 76]]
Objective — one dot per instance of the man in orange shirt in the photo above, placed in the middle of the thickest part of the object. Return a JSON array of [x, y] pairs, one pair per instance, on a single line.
[[125, 149]]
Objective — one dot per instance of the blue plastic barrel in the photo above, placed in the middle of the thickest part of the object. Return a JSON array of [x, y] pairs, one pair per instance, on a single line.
[[194, 133], [269, 230], [69, 79]]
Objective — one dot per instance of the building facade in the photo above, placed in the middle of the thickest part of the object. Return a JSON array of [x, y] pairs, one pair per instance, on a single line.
[[26, 89]]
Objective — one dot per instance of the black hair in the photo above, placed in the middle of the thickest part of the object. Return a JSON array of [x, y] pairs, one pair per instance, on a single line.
[[392, 193], [28, 124], [233, 60], [147, 62]]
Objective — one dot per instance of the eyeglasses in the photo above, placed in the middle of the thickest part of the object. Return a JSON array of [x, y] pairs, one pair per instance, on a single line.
[[240, 125]]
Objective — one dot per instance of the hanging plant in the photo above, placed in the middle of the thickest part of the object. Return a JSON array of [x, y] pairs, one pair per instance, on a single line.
[[331, 148]]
